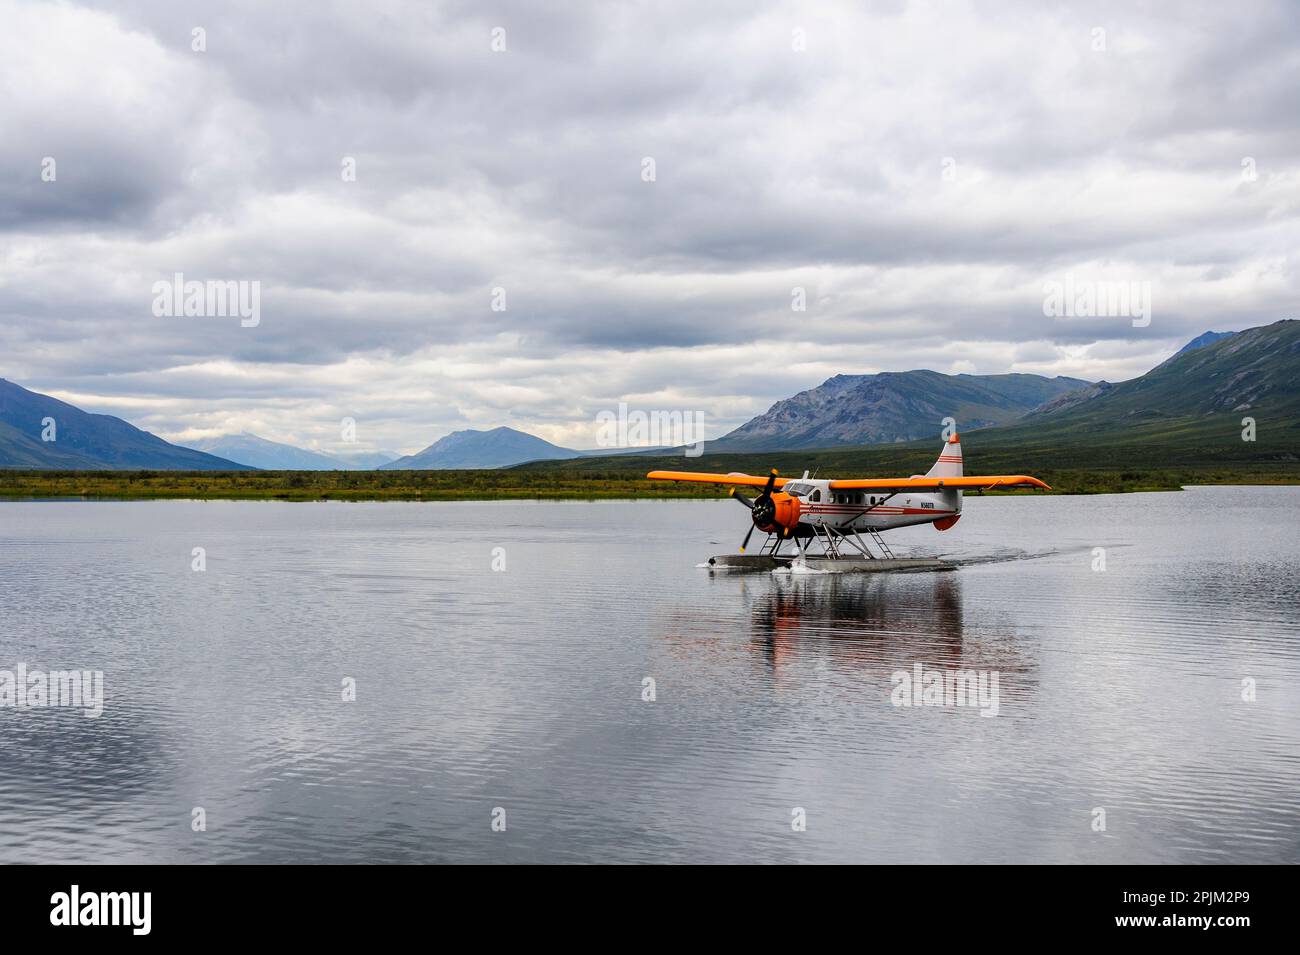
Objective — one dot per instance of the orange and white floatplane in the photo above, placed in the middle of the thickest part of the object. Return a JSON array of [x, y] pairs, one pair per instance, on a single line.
[[825, 519]]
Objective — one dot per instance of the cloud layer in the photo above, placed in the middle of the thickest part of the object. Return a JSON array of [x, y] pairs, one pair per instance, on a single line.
[[919, 170]]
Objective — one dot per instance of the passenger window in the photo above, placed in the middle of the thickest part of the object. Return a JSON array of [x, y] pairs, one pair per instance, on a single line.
[[815, 496]]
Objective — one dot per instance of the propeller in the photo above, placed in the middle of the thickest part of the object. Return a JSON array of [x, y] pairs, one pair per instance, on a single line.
[[762, 509]]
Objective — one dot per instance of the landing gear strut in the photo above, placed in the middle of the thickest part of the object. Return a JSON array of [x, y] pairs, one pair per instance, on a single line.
[[832, 541]]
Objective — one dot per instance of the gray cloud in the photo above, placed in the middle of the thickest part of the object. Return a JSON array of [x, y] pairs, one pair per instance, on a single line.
[[776, 168]]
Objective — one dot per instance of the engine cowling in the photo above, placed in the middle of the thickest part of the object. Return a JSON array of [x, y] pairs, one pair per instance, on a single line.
[[782, 512]]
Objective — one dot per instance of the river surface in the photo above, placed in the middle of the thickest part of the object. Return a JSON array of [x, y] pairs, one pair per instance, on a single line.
[[588, 693]]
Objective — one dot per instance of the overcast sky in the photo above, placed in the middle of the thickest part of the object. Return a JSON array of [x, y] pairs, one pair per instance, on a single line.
[[921, 170]]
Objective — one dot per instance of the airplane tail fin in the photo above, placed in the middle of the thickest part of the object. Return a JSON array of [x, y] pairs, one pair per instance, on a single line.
[[949, 463]]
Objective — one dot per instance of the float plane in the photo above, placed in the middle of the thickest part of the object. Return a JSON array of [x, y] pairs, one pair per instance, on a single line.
[[834, 513]]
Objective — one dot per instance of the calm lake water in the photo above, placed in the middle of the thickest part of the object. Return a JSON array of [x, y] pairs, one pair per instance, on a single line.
[[522, 688]]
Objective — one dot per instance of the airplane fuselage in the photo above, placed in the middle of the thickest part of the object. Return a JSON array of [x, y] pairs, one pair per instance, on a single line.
[[849, 511]]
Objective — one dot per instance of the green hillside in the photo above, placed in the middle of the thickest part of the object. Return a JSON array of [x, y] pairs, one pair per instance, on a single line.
[[1189, 410]]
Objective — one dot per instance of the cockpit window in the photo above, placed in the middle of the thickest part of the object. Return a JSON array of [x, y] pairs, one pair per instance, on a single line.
[[797, 490]]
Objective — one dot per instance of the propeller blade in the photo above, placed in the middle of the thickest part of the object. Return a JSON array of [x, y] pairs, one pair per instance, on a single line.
[[771, 482], [745, 542], [742, 499]]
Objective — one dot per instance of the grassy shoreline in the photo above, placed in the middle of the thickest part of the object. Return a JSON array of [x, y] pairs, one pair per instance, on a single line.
[[531, 483]]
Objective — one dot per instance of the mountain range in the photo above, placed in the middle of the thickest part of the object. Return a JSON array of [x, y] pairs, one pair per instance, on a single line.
[[258, 452], [1196, 406], [891, 407], [37, 431], [1228, 409], [1215, 381], [499, 447]]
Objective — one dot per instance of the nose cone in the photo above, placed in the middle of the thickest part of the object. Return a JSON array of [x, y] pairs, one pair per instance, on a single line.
[[787, 510]]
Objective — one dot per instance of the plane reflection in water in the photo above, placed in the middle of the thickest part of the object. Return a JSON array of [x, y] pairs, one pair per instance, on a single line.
[[873, 625]]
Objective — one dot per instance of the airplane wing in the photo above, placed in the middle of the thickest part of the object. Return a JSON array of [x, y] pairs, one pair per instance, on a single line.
[[735, 477], [973, 482]]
